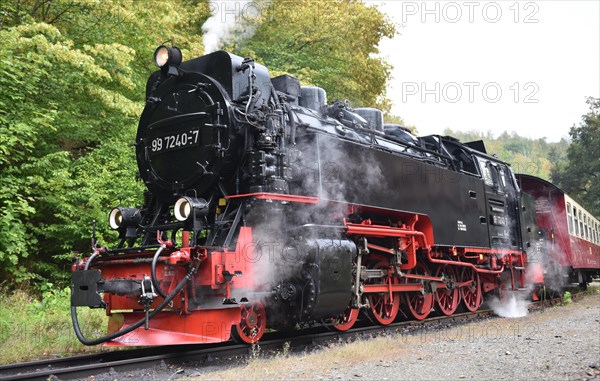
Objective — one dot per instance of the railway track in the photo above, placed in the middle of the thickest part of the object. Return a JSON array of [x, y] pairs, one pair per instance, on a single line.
[[127, 360]]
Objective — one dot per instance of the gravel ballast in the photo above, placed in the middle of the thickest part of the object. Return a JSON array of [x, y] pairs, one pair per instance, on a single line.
[[558, 343], [554, 343]]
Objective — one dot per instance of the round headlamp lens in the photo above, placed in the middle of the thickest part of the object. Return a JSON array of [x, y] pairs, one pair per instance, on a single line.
[[182, 209], [115, 218], [161, 56]]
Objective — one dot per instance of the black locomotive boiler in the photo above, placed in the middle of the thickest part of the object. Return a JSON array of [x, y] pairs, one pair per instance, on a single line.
[[268, 207]]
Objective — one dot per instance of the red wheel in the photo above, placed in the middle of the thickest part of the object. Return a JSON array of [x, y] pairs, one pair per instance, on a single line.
[[384, 309], [471, 295], [448, 298], [419, 304], [253, 324], [347, 319]]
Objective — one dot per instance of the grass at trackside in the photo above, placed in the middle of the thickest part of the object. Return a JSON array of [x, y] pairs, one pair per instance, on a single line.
[[33, 329]]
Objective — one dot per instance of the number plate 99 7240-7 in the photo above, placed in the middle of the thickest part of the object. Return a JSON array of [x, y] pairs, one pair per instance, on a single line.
[[175, 141]]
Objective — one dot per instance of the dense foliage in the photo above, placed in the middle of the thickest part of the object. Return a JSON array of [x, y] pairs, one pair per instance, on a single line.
[[580, 175], [72, 80]]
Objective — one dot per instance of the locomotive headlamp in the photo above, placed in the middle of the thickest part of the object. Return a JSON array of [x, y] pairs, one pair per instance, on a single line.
[[124, 217], [186, 206], [167, 56]]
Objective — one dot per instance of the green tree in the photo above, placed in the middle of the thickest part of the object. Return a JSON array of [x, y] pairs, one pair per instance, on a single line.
[[580, 177], [331, 44], [70, 98], [133, 24], [58, 105]]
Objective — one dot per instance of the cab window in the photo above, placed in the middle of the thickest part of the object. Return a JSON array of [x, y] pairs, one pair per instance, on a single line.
[[503, 178], [484, 165], [499, 184]]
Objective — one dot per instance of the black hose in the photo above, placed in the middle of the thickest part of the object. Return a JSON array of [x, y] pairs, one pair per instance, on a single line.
[[153, 272], [138, 324], [275, 97], [255, 99], [89, 261], [292, 126]]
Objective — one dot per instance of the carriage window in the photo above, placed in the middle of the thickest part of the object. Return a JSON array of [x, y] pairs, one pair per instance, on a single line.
[[570, 218], [584, 235], [576, 232], [585, 225], [580, 224]]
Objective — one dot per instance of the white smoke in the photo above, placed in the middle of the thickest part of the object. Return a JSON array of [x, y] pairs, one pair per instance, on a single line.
[[231, 19], [515, 305]]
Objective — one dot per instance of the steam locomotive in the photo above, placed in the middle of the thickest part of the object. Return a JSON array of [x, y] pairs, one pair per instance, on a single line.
[[268, 207]]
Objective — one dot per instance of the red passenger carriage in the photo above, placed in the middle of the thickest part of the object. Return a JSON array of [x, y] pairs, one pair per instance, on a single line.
[[564, 237]]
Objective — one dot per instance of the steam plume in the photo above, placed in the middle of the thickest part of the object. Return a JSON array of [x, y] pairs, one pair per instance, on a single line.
[[231, 19]]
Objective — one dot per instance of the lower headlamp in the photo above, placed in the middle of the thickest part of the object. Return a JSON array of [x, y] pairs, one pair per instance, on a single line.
[[186, 206], [124, 217]]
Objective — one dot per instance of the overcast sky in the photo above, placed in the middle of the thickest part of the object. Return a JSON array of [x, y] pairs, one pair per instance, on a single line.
[[500, 66]]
